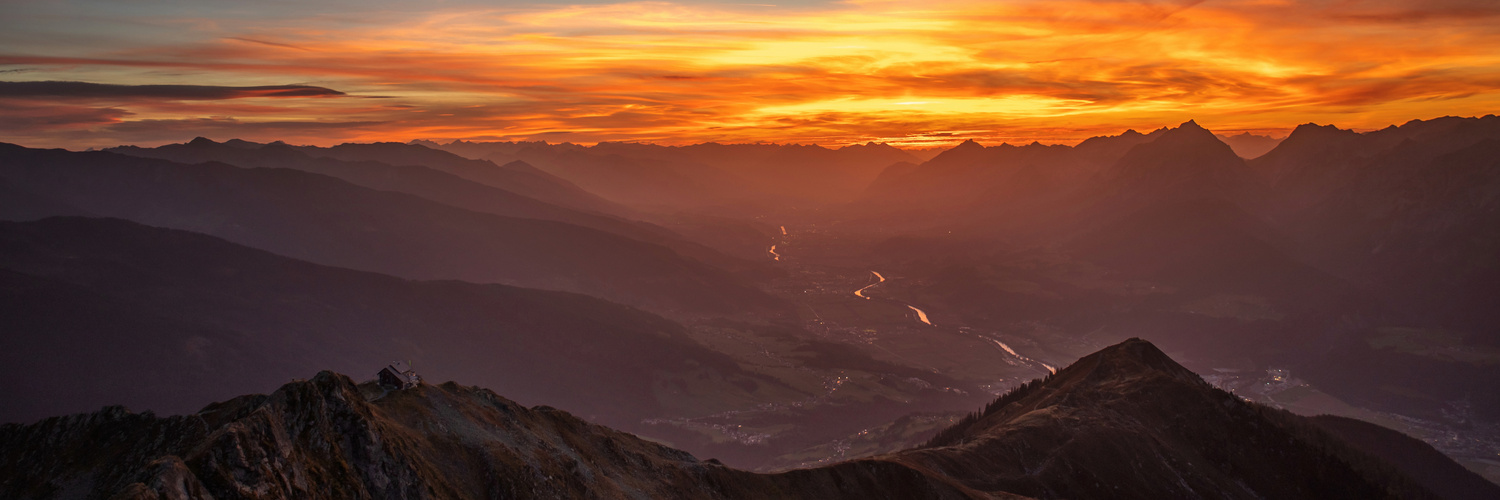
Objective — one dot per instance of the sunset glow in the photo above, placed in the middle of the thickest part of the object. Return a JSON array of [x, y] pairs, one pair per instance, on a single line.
[[914, 73]]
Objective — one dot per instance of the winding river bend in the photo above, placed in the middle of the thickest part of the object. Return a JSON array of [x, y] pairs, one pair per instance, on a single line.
[[921, 315], [861, 292]]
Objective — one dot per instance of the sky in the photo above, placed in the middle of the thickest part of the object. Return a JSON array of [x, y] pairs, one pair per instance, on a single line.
[[90, 73]]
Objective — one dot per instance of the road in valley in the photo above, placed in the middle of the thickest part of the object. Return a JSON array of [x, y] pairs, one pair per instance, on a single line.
[[1012, 352], [922, 317]]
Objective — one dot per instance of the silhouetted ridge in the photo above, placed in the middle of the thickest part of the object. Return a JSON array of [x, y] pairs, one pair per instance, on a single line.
[[1134, 360], [1129, 422], [1313, 131], [1118, 424], [518, 165], [327, 438]]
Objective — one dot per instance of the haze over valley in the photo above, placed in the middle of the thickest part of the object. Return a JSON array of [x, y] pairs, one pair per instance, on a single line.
[[1339, 273], [1049, 250]]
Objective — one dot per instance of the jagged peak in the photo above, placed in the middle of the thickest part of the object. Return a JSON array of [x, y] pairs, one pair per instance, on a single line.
[[1191, 128], [968, 144], [1188, 138]]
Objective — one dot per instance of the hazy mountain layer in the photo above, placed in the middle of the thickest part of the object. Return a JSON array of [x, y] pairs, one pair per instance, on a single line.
[[517, 177], [108, 311], [677, 177], [329, 221], [430, 183]]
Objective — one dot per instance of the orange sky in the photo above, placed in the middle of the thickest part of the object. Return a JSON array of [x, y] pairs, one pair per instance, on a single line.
[[907, 72]]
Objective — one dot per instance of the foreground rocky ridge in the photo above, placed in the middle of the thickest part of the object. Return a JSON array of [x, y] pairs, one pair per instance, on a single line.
[[321, 439], [1126, 422]]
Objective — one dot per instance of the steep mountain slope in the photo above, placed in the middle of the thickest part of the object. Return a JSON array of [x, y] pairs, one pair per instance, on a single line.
[[1417, 459], [1408, 211], [1125, 423], [105, 310], [1180, 209], [428, 183], [1128, 422], [329, 221], [517, 177], [1187, 162]]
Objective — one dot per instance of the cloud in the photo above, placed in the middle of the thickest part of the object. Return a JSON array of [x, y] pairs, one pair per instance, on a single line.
[[21, 116], [837, 72], [179, 92], [266, 43]]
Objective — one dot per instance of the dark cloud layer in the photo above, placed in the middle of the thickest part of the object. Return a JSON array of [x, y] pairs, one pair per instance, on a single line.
[[178, 92]]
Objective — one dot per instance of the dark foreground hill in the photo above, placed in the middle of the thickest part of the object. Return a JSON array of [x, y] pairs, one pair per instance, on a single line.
[[1126, 422]]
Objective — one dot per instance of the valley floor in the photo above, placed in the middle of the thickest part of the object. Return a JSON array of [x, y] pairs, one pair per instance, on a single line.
[[933, 363]]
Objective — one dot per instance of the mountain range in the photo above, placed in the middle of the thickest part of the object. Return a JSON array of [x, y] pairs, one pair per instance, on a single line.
[[327, 220], [110, 310], [774, 306], [1126, 422]]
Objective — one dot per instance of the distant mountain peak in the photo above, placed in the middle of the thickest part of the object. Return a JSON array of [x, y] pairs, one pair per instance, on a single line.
[[1317, 133], [241, 143], [1310, 126], [202, 141], [1187, 133], [969, 144]]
